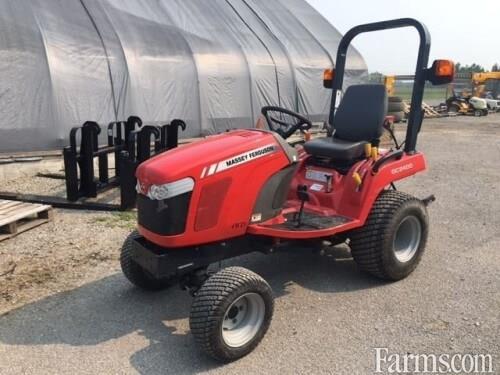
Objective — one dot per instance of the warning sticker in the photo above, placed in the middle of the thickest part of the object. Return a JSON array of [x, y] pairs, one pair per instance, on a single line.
[[316, 187], [320, 176]]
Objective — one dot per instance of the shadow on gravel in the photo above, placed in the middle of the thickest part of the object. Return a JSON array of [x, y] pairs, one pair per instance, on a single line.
[[111, 308]]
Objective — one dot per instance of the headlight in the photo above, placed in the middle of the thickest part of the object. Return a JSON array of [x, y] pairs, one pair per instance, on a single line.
[[170, 190]]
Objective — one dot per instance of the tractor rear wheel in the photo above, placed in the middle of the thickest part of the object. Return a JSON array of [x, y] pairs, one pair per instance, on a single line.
[[395, 107], [395, 99], [392, 241], [135, 273], [231, 313]]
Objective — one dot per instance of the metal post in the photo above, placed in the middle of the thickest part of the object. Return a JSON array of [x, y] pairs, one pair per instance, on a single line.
[[88, 187], [71, 173], [128, 194], [173, 133]]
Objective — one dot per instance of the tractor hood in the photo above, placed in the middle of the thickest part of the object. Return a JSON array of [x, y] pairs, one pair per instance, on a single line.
[[213, 155]]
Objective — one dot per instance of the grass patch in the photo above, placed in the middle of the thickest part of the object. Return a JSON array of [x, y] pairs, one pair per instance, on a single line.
[[126, 220], [430, 93]]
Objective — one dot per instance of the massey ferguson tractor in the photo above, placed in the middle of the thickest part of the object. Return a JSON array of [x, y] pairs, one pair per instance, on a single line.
[[250, 191]]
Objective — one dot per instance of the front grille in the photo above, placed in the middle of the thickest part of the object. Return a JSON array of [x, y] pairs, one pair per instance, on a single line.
[[167, 217]]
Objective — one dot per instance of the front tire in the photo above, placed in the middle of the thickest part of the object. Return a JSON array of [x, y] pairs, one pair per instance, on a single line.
[[393, 239], [231, 313], [135, 273]]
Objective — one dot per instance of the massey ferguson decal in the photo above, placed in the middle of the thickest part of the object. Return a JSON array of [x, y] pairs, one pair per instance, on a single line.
[[238, 160]]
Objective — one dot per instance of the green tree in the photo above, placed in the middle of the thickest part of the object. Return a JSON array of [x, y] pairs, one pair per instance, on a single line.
[[473, 68], [495, 68], [376, 77]]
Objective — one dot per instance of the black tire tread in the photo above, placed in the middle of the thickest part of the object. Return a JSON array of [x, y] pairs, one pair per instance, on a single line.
[[395, 107], [395, 99], [206, 311], [367, 241]]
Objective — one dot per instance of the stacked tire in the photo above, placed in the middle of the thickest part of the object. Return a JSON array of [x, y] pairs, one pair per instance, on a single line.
[[396, 108]]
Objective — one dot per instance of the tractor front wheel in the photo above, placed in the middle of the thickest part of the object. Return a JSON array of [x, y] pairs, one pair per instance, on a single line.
[[135, 273], [392, 241], [231, 313]]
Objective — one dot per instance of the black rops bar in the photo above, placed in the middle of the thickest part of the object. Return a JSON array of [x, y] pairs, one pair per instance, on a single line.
[[415, 117]]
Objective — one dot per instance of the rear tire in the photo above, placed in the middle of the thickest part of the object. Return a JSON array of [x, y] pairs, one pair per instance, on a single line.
[[395, 107], [393, 239], [453, 108], [231, 313], [395, 99], [135, 273]]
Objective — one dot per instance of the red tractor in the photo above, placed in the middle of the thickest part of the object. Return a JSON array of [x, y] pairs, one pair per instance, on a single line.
[[249, 190]]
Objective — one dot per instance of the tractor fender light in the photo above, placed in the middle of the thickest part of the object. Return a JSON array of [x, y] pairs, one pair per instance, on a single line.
[[328, 77], [170, 190]]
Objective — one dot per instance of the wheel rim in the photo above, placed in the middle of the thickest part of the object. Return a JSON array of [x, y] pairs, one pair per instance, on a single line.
[[407, 239], [243, 320]]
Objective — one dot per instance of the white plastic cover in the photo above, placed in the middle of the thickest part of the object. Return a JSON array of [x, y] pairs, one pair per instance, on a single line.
[[211, 63]]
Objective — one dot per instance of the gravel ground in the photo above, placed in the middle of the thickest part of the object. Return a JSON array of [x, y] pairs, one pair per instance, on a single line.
[[67, 309]]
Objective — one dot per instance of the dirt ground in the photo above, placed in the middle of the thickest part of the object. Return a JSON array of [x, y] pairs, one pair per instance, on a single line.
[[63, 299], [75, 248]]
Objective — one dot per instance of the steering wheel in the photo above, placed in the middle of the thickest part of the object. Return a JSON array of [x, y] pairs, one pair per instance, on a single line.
[[285, 122]]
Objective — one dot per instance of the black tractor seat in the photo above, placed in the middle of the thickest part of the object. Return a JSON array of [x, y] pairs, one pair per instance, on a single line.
[[335, 148], [359, 120]]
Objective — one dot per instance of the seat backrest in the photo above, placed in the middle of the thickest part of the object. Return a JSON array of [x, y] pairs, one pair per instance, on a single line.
[[361, 113]]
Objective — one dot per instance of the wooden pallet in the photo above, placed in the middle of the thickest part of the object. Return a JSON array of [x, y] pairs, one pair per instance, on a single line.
[[429, 111], [17, 217]]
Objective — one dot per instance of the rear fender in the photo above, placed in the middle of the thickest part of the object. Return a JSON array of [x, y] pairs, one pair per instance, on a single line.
[[357, 201]]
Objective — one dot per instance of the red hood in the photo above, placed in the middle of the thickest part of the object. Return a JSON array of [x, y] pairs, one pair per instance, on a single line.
[[190, 160]]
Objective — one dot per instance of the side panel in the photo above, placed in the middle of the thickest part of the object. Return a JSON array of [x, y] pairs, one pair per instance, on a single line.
[[273, 195]]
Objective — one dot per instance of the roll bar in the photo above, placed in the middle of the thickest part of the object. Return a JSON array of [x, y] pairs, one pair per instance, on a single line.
[[415, 116]]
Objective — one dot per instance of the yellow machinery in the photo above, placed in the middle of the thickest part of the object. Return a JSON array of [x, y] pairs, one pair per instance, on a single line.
[[390, 82], [478, 81]]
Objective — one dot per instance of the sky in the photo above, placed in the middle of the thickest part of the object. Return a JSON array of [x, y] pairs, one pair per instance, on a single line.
[[463, 31]]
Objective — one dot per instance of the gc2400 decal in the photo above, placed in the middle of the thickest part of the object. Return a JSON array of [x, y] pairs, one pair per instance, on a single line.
[[238, 160], [401, 169]]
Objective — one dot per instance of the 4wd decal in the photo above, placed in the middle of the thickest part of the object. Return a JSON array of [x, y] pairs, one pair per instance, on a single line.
[[238, 160]]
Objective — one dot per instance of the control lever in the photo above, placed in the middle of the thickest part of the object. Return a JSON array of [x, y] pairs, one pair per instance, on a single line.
[[389, 126], [304, 197]]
